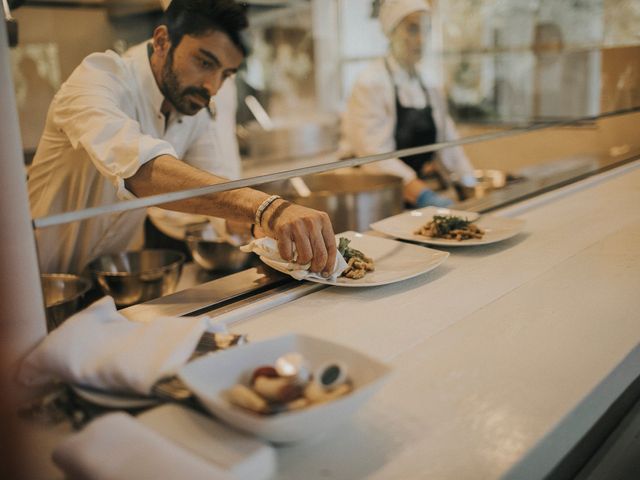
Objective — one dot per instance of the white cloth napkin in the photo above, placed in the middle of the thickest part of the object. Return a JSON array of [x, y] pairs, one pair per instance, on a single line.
[[98, 347], [267, 249], [118, 447]]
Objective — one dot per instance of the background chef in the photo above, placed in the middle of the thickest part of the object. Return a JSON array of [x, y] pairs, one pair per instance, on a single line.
[[392, 107], [140, 125]]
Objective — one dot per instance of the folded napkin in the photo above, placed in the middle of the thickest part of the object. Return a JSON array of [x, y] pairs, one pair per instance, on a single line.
[[118, 447], [98, 347], [267, 249]]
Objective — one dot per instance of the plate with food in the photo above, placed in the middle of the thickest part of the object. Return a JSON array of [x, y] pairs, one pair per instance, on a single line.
[[285, 389], [374, 261], [450, 228]]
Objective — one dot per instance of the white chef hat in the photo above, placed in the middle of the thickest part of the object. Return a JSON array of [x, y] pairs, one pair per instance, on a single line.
[[393, 11]]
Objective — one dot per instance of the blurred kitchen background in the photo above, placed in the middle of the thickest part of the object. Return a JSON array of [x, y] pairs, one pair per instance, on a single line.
[[502, 63]]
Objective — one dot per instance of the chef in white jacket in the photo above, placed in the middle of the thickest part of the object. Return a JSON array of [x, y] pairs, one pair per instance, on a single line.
[[140, 124], [392, 107], [223, 160]]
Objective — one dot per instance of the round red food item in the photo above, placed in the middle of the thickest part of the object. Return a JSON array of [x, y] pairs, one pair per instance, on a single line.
[[264, 371]]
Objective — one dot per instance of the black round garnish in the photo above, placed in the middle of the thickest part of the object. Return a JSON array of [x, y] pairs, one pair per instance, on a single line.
[[330, 375]]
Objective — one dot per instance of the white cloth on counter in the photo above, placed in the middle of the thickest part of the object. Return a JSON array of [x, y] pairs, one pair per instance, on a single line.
[[98, 347], [267, 249], [118, 447]]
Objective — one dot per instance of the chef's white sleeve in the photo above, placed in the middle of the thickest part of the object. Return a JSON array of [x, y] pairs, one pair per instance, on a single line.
[[91, 117]]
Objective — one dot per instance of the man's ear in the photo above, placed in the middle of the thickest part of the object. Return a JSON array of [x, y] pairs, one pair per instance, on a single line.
[[161, 41]]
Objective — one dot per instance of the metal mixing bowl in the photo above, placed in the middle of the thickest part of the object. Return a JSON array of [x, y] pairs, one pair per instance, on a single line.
[[215, 255], [135, 277], [353, 199], [64, 295]]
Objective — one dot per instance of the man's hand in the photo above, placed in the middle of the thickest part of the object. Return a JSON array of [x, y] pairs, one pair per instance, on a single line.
[[309, 230]]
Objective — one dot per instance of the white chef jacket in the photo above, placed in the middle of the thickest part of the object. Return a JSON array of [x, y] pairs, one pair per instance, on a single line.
[[102, 126], [369, 120]]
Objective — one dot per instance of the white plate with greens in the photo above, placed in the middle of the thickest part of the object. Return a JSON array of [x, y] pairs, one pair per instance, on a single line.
[[394, 261], [405, 225]]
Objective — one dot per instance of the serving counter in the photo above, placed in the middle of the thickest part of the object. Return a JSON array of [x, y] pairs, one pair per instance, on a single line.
[[505, 357]]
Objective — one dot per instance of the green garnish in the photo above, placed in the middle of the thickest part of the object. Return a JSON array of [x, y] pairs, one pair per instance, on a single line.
[[446, 223], [348, 252]]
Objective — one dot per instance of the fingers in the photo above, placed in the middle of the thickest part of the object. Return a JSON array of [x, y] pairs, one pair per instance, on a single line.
[[285, 245], [312, 234], [329, 239], [303, 240], [319, 260]]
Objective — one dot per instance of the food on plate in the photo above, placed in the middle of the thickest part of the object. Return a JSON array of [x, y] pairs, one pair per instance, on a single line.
[[358, 264], [450, 227], [276, 389]]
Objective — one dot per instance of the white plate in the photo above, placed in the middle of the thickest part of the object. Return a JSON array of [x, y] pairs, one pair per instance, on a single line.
[[405, 224], [394, 261], [113, 400], [211, 375]]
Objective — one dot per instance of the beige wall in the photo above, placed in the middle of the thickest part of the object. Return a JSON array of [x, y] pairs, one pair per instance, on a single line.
[[607, 140], [59, 38]]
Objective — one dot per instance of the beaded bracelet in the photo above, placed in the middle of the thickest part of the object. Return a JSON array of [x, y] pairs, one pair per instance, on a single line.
[[277, 212], [263, 206]]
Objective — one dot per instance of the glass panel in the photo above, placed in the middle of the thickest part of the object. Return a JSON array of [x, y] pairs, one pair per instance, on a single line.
[[488, 66]]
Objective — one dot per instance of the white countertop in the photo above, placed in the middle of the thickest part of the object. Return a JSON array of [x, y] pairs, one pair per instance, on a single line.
[[504, 356], [497, 353]]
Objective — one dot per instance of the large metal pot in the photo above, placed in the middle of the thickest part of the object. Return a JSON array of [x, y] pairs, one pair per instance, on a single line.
[[353, 200], [290, 138]]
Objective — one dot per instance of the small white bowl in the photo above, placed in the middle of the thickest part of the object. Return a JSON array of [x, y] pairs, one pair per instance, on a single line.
[[209, 376]]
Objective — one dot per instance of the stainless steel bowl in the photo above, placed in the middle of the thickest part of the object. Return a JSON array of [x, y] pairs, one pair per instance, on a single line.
[[135, 277], [64, 295], [353, 200], [215, 255]]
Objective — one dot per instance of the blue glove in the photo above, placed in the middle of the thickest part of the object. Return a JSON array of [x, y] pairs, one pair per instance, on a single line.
[[430, 198]]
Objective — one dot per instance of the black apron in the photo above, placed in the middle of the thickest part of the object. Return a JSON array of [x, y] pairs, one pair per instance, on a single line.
[[415, 127]]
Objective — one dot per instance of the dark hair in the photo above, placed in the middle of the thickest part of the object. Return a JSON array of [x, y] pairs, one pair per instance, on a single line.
[[198, 17]]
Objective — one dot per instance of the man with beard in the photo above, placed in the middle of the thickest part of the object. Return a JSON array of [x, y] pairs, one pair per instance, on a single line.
[[140, 125]]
